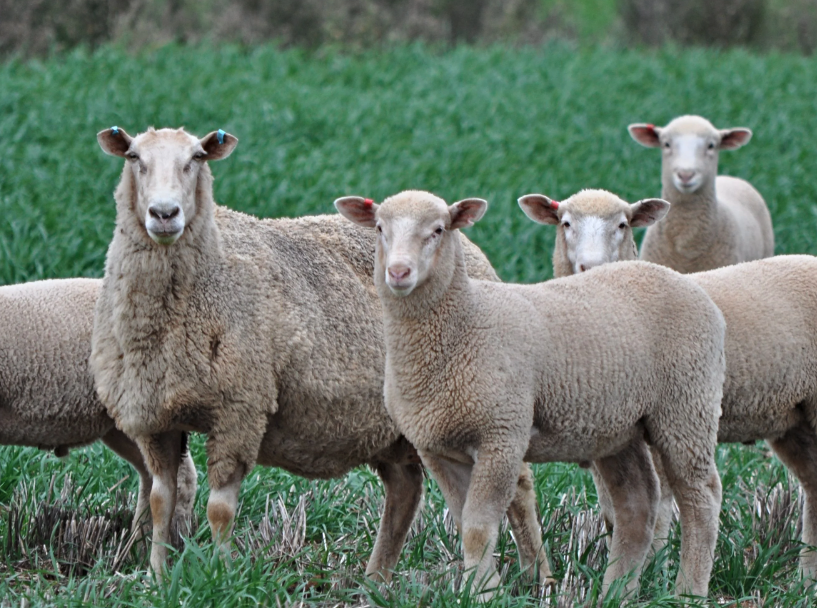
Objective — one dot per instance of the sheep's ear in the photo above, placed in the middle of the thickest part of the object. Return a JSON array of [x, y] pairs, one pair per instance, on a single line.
[[732, 139], [218, 144], [648, 211], [467, 211], [540, 208], [646, 135], [114, 141], [359, 210]]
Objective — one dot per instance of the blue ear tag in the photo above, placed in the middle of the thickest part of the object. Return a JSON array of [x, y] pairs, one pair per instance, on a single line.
[[220, 134], [115, 130]]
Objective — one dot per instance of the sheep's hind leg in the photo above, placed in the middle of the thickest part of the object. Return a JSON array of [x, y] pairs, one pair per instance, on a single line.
[[162, 454], [122, 446], [632, 487], [404, 489], [186, 485], [798, 451], [527, 533]]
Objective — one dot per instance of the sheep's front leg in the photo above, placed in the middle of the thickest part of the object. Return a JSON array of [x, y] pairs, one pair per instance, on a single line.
[[404, 489], [493, 486], [798, 451], [632, 488], [162, 454], [232, 449], [527, 532], [698, 494]]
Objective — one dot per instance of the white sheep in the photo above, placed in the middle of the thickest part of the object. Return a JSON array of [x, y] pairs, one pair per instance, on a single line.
[[595, 227], [770, 307], [481, 376], [714, 220], [263, 334], [47, 397]]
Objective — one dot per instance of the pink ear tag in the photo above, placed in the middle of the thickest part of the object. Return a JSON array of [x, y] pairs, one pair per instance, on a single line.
[[368, 202], [554, 204], [651, 128]]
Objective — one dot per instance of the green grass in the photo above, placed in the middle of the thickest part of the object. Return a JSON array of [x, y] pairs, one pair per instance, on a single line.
[[495, 123]]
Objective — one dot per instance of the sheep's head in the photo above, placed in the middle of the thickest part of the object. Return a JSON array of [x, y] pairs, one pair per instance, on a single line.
[[413, 228], [594, 227], [165, 166], [690, 146]]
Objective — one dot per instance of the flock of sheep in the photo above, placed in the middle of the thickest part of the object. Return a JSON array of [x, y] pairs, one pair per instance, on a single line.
[[273, 339]]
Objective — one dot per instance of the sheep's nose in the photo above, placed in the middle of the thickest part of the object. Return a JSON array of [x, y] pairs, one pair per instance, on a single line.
[[398, 272], [686, 176], [164, 210]]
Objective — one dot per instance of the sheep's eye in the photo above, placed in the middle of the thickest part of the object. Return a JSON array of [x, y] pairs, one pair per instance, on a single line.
[[566, 224], [379, 228], [439, 230], [666, 144], [199, 156], [622, 225], [132, 156], [711, 146]]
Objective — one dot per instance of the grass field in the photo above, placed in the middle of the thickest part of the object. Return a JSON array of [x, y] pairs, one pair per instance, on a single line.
[[494, 123]]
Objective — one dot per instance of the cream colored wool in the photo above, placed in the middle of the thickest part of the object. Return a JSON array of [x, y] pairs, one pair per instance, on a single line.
[[47, 397], [481, 376], [264, 334], [770, 390], [595, 227], [714, 220]]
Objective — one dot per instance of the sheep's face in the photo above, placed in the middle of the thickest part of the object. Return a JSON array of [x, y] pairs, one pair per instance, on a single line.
[[594, 227], [413, 228], [165, 166], [690, 147]]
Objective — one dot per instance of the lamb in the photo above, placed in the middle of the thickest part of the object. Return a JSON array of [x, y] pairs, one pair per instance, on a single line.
[[770, 307], [263, 334], [714, 220], [47, 396], [481, 376], [594, 227]]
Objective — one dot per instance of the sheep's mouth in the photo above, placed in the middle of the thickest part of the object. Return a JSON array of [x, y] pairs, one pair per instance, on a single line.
[[165, 236]]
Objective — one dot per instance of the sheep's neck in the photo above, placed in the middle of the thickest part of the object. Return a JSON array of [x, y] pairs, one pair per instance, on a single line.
[[561, 263], [692, 224]]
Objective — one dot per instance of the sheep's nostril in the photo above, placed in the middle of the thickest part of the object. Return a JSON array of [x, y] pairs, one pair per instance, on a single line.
[[153, 213], [171, 215], [582, 267], [399, 273]]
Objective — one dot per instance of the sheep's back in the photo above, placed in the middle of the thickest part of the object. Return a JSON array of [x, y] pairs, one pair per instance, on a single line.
[[770, 307], [47, 396]]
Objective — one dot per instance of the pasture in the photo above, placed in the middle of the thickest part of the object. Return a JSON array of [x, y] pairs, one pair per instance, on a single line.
[[493, 122]]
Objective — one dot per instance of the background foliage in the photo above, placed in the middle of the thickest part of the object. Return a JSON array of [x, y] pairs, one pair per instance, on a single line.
[[39, 26], [313, 125]]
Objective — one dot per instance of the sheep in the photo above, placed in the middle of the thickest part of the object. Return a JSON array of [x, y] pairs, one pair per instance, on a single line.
[[481, 376], [714, 220], [770, 390], [594, 227], [47, 397], [263, 334]]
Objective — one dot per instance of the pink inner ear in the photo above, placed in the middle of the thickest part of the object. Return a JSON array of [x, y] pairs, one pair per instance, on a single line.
[[554, 204]]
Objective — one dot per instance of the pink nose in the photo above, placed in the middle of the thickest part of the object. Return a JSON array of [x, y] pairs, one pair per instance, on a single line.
[[399, 272], [686, 176]]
